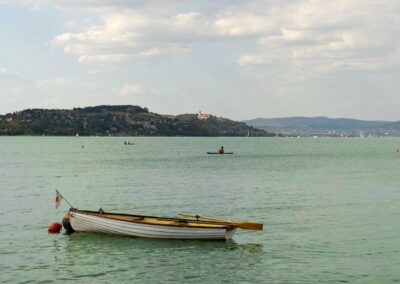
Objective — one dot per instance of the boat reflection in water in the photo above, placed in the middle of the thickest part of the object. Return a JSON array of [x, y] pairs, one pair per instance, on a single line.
[[118, 244]]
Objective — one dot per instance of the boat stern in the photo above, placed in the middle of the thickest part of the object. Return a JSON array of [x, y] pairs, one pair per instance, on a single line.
[[229, 233]]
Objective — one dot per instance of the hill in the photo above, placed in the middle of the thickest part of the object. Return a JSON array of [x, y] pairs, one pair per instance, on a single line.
[[119, 120], [325, 126]]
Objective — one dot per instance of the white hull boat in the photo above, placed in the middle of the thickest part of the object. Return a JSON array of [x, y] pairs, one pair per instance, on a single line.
[[153, 227]]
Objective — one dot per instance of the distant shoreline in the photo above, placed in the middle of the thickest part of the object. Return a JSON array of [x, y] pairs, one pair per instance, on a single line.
[[177, 136], [121, 120], [140, 136]]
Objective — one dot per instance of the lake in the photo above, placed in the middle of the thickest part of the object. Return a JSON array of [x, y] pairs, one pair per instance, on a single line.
[[330, 208]]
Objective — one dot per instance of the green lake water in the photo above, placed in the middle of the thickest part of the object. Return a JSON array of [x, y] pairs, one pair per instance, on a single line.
[[330, 209]]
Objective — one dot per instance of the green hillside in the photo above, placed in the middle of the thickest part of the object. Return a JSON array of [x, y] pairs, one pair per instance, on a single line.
[[119, 121]]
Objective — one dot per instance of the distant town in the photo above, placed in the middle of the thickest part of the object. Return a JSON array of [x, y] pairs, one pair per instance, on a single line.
[[327, 127]]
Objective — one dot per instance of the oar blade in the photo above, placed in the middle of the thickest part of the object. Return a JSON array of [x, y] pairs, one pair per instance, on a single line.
[[249, 225]]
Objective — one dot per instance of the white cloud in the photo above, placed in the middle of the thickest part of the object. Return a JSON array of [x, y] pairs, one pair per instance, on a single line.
[[242, 24], [134, 89], [286, 31], [7, 74], [255, 59], [4, 72], [127, 36], [339, 34], [129, 89], [57, 82], [31, 4], [105, 58]]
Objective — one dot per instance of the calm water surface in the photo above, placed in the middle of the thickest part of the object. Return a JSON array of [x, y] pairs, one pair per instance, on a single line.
[[330, 209]]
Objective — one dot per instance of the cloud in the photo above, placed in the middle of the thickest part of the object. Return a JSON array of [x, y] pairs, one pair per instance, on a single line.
[[300, 31], [57, 82], [241, 25], [129, 89], [127, 36], [31, 4], [134, 89], [255, 59], [112, 59], [334, 35], [8, 74], [153, 30]]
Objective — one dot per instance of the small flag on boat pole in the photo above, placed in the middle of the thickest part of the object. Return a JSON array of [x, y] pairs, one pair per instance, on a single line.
[[58, 199]]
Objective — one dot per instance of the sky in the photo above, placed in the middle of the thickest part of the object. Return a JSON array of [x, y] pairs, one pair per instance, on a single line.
[[234, 58]]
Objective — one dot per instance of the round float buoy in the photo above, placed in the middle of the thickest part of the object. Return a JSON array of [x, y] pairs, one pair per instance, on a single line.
[[55, 228], [67, 224]]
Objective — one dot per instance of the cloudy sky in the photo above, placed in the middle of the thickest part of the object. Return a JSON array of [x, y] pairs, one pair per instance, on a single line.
[[235, 58]]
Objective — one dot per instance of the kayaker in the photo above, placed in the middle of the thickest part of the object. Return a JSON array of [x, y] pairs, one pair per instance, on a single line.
[[221, 150]]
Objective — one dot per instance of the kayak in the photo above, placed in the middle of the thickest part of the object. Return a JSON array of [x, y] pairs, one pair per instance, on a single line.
[[154, 227], [214, 153]]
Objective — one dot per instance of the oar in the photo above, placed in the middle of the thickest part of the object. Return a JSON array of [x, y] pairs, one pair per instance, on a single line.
[[247, 225]]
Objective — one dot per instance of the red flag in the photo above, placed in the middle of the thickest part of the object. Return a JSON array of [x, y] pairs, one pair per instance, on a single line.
[[58, 199]]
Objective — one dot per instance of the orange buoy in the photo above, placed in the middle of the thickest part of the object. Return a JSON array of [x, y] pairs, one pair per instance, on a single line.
[[55, 228]]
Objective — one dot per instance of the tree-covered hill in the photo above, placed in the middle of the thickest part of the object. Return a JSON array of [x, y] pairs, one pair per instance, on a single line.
[[119, 120]]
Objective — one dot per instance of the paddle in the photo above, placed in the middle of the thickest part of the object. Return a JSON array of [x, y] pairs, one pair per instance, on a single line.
[[241, 224]]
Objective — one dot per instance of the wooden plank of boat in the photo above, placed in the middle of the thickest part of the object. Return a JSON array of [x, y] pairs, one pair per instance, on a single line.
[[214, 153], [149, 226]]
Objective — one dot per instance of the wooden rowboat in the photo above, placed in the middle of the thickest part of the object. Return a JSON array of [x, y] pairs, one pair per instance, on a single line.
[[218, 153], [153, 227]]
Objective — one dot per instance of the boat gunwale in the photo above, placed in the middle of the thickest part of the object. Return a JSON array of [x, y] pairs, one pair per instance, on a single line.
[[182, 222]]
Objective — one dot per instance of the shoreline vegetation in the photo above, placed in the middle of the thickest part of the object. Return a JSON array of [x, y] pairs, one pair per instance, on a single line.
[[119, 120]]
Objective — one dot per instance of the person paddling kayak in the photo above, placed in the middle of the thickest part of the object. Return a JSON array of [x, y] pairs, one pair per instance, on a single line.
[[219, 152]]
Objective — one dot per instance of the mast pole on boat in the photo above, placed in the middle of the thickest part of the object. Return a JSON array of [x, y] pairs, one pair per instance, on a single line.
[[64, 198]]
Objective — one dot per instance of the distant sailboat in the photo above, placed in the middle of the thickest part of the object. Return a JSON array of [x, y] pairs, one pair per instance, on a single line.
[[77, 135], [248, 133]]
